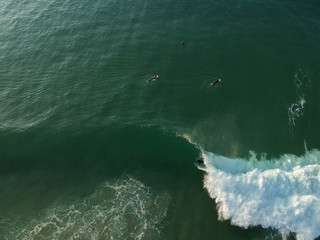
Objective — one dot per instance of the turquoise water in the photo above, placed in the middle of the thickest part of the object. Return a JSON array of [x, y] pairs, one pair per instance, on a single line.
[[89, 149]]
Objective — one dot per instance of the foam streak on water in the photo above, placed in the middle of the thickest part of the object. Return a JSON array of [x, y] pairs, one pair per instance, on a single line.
[[120, 209], [279, 193]]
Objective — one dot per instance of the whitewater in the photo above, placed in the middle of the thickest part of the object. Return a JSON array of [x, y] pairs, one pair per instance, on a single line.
[[281, 193], [122, 208]]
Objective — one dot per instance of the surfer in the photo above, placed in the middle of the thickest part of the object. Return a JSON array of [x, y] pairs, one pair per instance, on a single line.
[[198, 162], [215, 82], [294, 107], [153, 78]]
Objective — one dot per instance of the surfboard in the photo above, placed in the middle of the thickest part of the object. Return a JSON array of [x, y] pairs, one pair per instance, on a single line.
[[215, 82], [198, 164]]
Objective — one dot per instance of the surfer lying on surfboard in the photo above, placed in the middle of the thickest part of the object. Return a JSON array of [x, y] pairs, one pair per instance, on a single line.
[[215, 82], [153, 78]]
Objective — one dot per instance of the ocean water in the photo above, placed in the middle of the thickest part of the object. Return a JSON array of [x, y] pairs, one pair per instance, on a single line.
[[90, 149]]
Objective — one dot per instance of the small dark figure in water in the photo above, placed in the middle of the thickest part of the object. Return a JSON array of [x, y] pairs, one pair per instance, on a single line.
[[294, 107], [198, 162], [153, 78], [215, 82], [182, 43]]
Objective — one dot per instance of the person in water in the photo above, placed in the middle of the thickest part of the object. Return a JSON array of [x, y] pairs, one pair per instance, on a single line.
[[198, 162], [153, 78], [215, 82], [294, 107], [182, 43]]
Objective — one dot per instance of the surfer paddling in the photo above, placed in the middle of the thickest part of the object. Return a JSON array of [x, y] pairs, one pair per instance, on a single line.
[[215, 82], [153, 78]]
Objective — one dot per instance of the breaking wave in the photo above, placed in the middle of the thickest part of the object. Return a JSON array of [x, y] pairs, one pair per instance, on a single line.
[[282, 193]]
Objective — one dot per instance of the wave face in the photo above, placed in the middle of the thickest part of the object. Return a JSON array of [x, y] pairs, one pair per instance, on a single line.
[[279, 193], [121, 209]]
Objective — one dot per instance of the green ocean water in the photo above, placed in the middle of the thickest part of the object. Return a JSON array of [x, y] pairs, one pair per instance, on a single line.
[[89, 149]]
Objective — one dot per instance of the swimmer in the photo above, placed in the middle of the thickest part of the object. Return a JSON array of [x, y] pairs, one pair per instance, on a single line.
[[215, 82], [182, 43]]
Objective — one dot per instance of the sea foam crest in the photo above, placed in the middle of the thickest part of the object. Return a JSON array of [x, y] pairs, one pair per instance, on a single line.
[[282, 193]]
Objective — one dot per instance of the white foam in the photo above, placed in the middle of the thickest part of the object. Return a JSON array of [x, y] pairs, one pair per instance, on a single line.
[[279, 193], [121, 209], [302, 81]]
